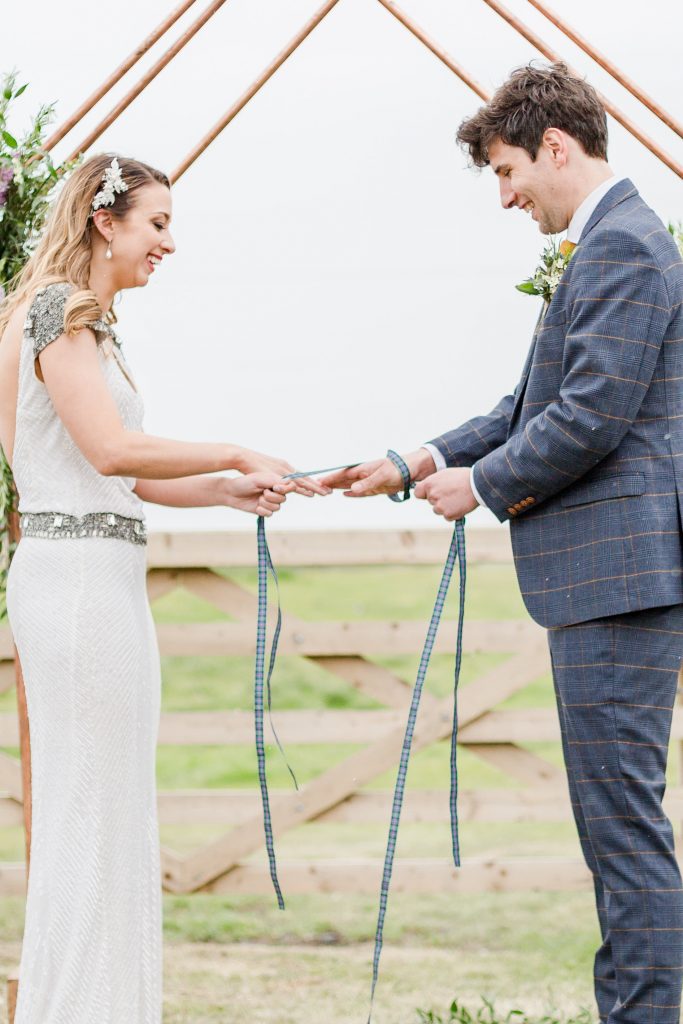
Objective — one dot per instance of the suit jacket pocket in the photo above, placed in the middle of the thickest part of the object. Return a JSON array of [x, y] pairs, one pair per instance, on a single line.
[[621, 486]]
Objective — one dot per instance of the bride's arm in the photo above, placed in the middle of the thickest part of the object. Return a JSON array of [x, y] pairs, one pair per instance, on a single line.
[[260, 493], [79, 393], [185, 492]]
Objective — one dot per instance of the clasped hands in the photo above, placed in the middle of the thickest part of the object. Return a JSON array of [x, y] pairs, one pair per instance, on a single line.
[[448, 491]]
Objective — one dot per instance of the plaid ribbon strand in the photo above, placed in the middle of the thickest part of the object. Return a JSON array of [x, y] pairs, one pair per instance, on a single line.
[[455, 552], [262, 682]]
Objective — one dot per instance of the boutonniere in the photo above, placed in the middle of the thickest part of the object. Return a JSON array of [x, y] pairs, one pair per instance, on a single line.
[[554, 262]]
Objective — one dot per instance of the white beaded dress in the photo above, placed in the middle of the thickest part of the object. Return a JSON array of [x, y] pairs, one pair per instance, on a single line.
[[78, 609]]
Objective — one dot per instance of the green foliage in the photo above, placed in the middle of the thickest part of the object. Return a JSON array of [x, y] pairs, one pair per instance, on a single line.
[[28, 179], [486, 1014], [548, 273], [677, 231], [7, 505]]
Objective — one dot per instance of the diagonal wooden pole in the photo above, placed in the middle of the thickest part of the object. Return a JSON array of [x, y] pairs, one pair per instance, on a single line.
[[149, 76], [118, 74], [253, 89], [617, 114], [611, 68], [437, 50]]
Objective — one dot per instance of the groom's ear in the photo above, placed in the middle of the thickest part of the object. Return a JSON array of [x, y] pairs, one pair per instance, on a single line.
[[555, 143]]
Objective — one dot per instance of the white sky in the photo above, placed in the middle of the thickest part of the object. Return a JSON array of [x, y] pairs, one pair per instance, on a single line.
[[342, 282]]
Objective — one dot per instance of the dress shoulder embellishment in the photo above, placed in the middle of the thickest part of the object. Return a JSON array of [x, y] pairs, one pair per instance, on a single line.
[[45, 319]]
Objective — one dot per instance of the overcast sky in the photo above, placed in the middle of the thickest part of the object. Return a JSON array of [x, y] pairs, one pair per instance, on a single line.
[[342, 282]]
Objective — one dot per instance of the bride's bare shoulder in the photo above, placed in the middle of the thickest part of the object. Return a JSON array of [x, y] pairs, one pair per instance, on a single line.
[[15, 324]]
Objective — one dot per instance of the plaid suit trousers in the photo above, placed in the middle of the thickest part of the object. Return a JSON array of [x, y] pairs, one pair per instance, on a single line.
[[615, 681]]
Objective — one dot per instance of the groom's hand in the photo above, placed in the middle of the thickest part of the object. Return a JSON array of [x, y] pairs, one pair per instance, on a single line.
[[449, 493], [380, 476]]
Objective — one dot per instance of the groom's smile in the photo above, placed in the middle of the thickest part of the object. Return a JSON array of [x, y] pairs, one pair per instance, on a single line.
[[530, 185]]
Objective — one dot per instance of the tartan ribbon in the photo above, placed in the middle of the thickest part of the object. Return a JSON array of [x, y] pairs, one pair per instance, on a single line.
[[262, 682]]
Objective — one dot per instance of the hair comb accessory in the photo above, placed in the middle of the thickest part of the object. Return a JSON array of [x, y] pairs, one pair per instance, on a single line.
[[113, 183]]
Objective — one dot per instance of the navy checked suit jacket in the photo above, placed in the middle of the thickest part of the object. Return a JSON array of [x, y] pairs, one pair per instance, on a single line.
[[585, 458]]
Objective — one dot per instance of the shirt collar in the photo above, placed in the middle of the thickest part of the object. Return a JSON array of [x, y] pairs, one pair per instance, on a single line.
[[584, 211]]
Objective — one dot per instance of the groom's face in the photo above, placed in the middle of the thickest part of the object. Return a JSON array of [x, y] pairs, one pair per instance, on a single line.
[[530, 185]]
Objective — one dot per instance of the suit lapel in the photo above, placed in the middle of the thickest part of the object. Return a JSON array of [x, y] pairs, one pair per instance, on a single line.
[[521, 387], [624, 189]]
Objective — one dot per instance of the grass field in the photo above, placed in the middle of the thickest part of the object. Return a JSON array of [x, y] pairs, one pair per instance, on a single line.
[[239, 959]]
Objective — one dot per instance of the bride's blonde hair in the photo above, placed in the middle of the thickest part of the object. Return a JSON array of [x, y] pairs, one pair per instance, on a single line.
[[64, 250]]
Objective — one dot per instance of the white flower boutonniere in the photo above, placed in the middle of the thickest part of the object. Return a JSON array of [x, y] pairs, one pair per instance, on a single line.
[[554, 262]]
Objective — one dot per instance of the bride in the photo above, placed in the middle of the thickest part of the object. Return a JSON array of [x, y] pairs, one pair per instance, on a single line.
[[71, 428]]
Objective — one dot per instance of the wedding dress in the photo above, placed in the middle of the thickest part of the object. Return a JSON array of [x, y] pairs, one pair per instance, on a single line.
[[78, 610]]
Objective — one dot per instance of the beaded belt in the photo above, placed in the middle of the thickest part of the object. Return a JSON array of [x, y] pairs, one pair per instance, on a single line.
[[93, 524]]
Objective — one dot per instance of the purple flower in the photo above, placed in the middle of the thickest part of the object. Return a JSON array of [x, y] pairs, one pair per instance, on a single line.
[[6, 177]]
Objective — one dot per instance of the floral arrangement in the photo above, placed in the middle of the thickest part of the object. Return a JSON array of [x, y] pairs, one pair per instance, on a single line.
[[28, 179], [554, 261], [677, 231]]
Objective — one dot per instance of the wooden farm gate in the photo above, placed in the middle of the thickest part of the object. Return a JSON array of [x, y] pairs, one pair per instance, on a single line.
[[344, 648]]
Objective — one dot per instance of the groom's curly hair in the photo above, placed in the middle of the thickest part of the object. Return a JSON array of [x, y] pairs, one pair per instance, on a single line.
[[533, 99]]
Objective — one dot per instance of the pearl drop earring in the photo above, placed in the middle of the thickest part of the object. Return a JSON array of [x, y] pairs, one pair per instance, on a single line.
[[107, 254]]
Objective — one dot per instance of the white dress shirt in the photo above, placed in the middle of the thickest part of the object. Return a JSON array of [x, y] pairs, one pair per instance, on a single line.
[[578, 222]]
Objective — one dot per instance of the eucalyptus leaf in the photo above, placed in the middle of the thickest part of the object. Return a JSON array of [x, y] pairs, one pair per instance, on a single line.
[[22, 214]]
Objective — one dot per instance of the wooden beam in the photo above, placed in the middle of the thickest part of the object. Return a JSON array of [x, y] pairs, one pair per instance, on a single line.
[[517, 763], [237, 548], [610, 107], [558, 874], [608, 65], [436, 49], [357, 637], [13, 879], [325, 641], [253, 89], [148, 77], [11, 777], [7, 677], [11, 811], [373, 680], [132, 59], [371, 807]]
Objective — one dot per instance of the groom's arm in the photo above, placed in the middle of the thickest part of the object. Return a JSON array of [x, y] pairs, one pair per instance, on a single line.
[[476, 438], [619, 310], [473, 439]]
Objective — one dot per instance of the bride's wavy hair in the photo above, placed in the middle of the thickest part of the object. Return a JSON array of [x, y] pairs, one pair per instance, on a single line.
[[64, 251]]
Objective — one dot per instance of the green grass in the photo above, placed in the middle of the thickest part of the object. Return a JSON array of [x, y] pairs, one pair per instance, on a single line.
[[487, 1014], [501, 943]]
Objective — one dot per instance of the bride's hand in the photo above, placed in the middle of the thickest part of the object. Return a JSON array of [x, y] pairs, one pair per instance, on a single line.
[[260, 493], [249, 461]]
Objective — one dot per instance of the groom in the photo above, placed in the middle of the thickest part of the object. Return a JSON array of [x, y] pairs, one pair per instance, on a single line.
[[585, 460]]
